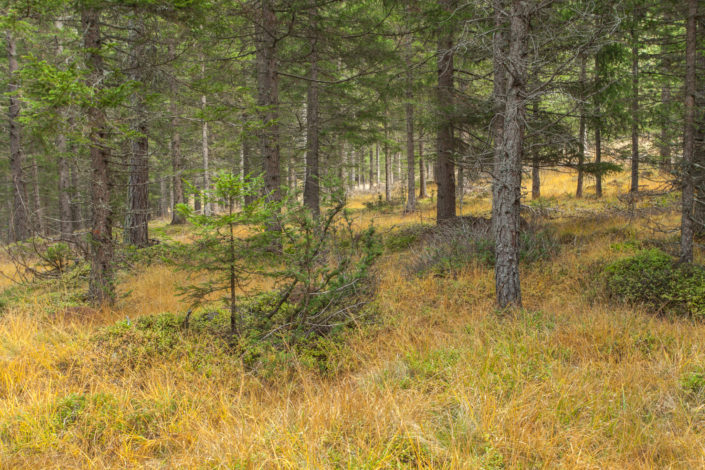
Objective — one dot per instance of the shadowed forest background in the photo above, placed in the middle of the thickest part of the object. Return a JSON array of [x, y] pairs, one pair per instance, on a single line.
[[370, 234]]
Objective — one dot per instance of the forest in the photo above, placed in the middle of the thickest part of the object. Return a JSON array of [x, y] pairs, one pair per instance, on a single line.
[[352, 234]]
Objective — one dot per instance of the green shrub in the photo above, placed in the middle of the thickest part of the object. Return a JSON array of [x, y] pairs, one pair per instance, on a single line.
[[653, 278]]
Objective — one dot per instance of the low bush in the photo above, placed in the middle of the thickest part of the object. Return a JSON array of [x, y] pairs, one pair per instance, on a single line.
[[469, 240], [653, 278]]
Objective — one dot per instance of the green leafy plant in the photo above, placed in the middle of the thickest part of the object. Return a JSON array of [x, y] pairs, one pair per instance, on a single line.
[[652, 277]]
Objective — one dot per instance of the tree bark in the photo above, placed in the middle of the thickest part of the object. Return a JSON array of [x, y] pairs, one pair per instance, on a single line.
[[535, 163], [311, 185], [688, 190], [100, 288], [137, 216], [507, 200], [598, 130], [445, 202], [387, 168], [499, 90], [19, 223], [410, 165], [635, 111], [205, 150], [177, 164], [422, 172], [38, 206], [582, 131], [268, 100]]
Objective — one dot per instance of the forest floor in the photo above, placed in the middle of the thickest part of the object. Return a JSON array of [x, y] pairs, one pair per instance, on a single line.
[[441, 380]]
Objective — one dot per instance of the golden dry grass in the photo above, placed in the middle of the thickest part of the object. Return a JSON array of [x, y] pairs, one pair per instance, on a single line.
[[444, 381]]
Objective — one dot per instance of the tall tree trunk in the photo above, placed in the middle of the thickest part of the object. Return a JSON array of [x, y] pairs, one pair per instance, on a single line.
[[445, 203], [635, 110], [100, 287], [535, 162], [372, 169], [507, 200], [205, 150], [137, 216], [65, 219], [598, 130], [312, 183], [377, 166], [19, 224], [177, 164], [499, 90], [665, 139], [422, 172], [687, 225], [387, 168], [164, 196], [582, 127], [38, 207], [461, 188], [65, 216], [410, 165], [268, 100]]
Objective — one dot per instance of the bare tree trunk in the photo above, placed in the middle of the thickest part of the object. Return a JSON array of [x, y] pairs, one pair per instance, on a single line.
[[598, 131], [77, 215], [445, 203], [268, 100], [387, 168], [371, 174], [422, 172], [163, 197], [311, 185], [499, 90], [687, 225], [582, 127], [461, 188], [19, 224], [100, 289], [377, 166], [535, 163], [65, 218], [507, 201], [205, 150], [665, 140], [410, 165], [137, 216], [635, 111], [38, 207], [177, 164]]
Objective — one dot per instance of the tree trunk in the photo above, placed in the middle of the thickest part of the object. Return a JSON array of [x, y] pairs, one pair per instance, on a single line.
[[100, 288], [598, 131], [665, 140], [65, 218], [205, 150], [687, 225], [635, 111], [177, 164], [311, 185], [507, 200], [461, 188], [137, 217], [268, 100], [535, 163], [410, 165], [445, 202], [377, 166], [387, 169], [38, 206], [19, 224], [582, 127], [499, 90], [422, 172]]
